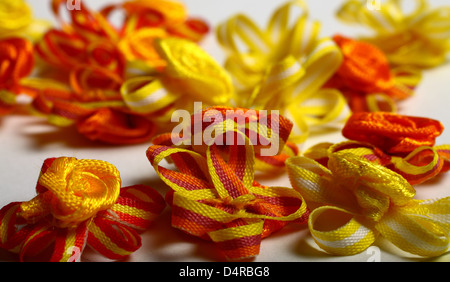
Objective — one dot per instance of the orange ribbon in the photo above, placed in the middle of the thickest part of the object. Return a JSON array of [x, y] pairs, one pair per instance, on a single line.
[[88, 61], [79, 203], [367, 80], [404, 144], [16, 62]]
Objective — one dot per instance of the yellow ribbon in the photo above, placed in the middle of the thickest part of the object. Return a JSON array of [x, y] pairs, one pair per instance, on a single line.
[[284, 67], [190, 75], [359, 200], [420, 38], [16, 19]]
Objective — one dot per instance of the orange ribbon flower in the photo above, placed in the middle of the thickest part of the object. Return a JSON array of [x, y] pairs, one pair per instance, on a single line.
[[79, 203], [404, 144], [367, 80], [16, 62]]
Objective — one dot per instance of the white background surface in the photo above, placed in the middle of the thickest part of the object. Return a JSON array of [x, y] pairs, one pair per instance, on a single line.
[[27, 141]]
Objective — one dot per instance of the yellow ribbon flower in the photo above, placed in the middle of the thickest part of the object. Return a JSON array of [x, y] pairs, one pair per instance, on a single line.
[[191, 75], [359, 200], [284, 67], [16, 20], [420, 38]]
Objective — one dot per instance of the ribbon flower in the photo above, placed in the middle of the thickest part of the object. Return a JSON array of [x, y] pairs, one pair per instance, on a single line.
[[420, 38], [79, 203], [93, 61], [359, 200], [284, 67], [367, 80], [214, 195], [404, 144]]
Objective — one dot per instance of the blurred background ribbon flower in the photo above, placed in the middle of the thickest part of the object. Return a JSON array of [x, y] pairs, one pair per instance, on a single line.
[[16, 63], [87, 66], [79, 203], [355, 201], [16, 20], [420, 38], [284, 67], [367, 80]]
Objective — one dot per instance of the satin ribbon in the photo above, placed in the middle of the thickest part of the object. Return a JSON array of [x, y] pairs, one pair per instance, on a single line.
[[284, 67], [419, 38], [358, 201], [367, 80], [404, 144], [79, 203], [214, 195], [267, 131], [16, 20], [17, 62]]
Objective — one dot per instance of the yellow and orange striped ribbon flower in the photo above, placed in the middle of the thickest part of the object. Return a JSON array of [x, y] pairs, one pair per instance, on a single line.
[[404, 144], [367, 80], [79, 203], [268, 131], [284, 67], [214, 195], [418, 38], [357, 201]]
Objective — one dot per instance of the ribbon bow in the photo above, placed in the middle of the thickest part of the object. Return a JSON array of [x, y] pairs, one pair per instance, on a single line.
[[214, 195], [359, 200], [79, 203], [404, 144], [284, 67], [420, 38], [367, 80]]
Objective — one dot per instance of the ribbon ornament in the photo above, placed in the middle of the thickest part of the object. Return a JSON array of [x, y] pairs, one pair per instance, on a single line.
[[358, 200], [404, 144], [420, 38], [79, 203], [214, 196], [284, 67]]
